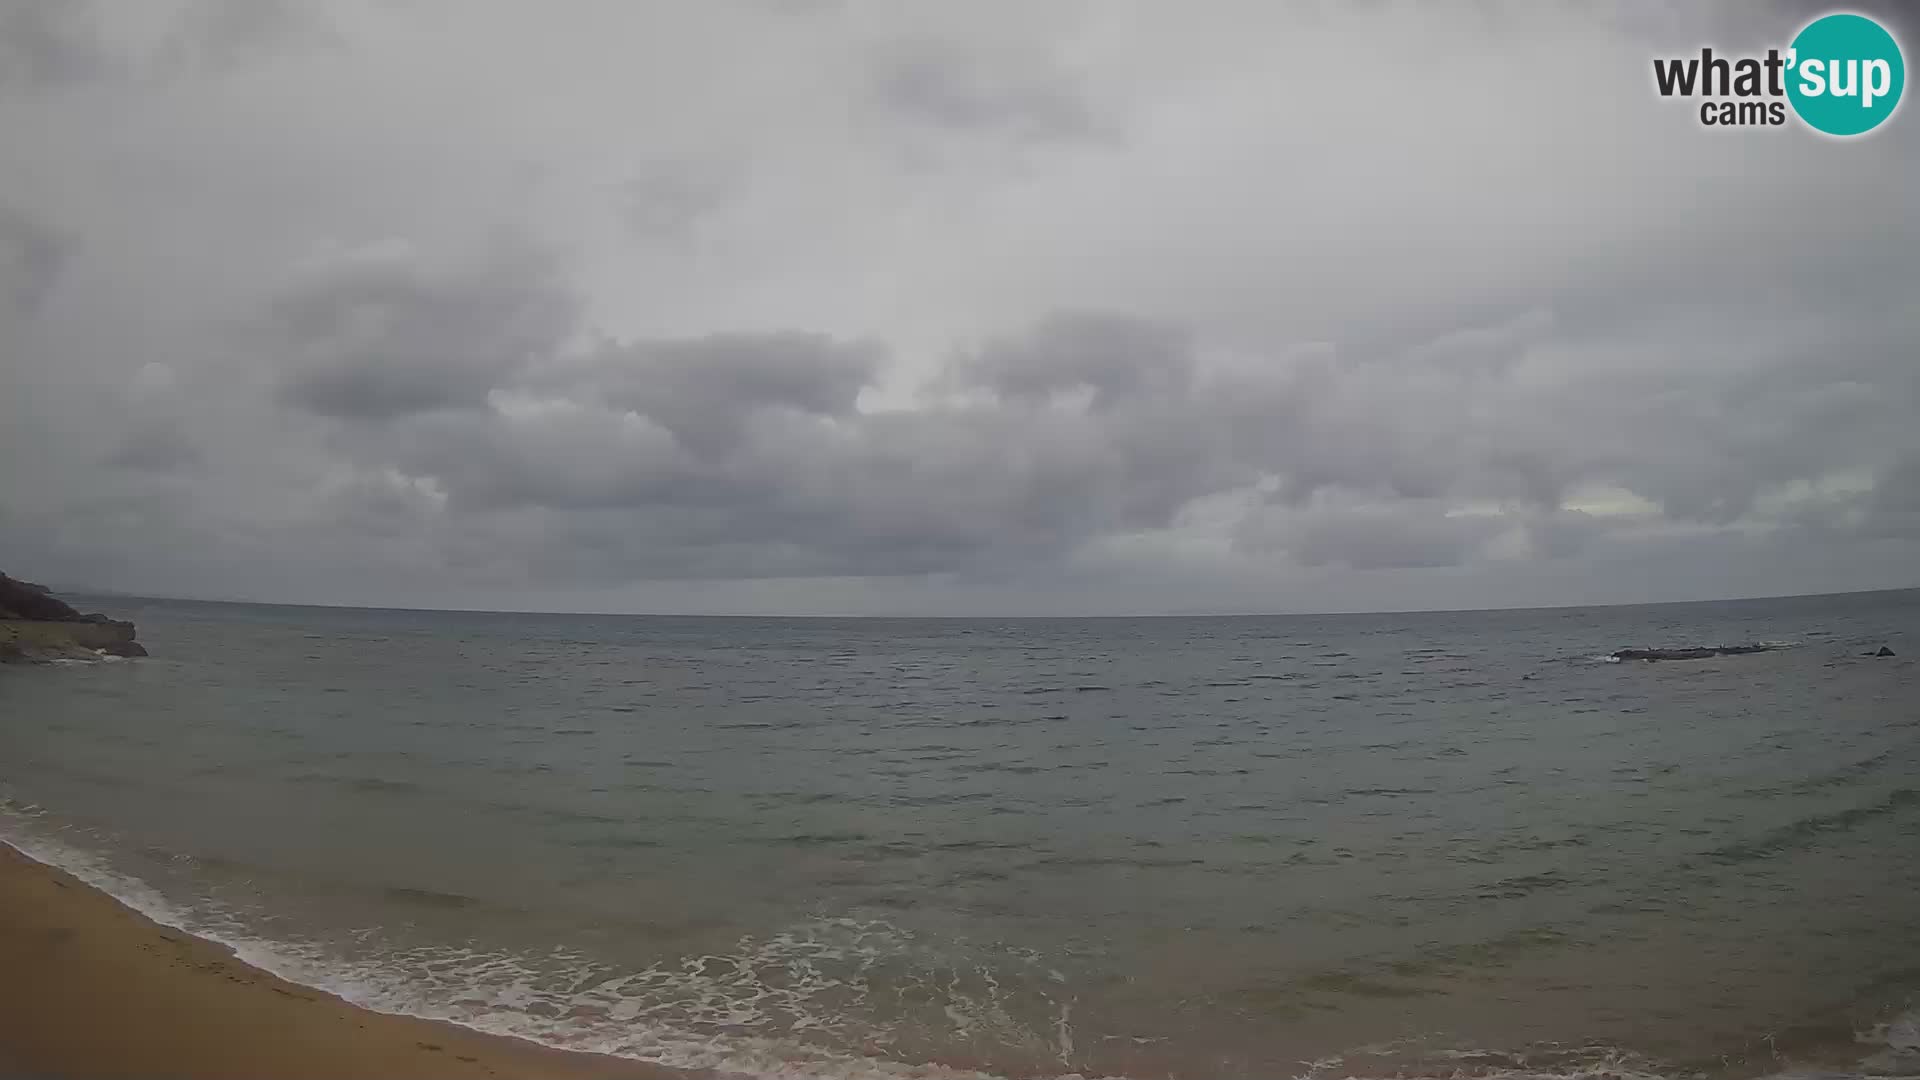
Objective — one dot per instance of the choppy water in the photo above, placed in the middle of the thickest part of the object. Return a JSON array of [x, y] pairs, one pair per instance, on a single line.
[[1197, 848]]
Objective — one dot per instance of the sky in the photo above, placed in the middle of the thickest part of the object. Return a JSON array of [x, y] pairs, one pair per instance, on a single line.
[[1000, 308]]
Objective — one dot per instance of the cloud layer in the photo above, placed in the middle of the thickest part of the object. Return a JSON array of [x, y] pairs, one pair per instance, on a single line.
[[1068, 309]]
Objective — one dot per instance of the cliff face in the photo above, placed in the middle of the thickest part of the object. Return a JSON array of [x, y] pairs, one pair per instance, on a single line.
[[25, 600], [36, 625]]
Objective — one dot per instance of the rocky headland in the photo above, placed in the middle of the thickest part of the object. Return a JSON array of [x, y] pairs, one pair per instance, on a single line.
[[35, 625]]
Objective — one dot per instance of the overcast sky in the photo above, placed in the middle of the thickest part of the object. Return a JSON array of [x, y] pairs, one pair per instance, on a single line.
[[800, 306]]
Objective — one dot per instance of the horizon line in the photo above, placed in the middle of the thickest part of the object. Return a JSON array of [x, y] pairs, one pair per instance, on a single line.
[[115, 595]]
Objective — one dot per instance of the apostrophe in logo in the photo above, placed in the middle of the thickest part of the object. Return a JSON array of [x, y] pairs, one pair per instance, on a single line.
[[1842, 75], [1846, 74]]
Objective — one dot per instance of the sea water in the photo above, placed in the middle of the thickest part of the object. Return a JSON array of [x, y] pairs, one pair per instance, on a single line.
[[1424, 844]]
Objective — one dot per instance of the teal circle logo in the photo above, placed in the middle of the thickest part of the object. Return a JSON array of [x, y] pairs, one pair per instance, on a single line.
[[1845, 74]]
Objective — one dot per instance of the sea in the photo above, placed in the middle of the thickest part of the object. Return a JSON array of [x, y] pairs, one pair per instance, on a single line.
[[1455, 844]]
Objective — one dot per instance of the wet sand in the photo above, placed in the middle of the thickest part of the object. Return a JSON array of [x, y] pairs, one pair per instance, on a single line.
[[90, 988]]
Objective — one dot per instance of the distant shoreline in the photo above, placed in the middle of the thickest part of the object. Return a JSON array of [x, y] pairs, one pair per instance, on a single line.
[[95, 989]]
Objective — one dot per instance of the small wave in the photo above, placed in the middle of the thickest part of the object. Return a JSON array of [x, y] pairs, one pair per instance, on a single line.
[[751, 1008], [77, 660], [1514, 888], [1807, 830], [390, 787], [665, 1014], [1844, 776], [370, 785], [1897, 1047], [428, 897], [1097, 862], [1406, 1061]]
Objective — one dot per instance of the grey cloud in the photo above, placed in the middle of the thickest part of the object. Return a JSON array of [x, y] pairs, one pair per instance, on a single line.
[[54, 45], [1115, 358], [939, 84], [217, 36], [1757, 26], [1893, 506], [801, 7], [704, 390], [1898, 13], [32, 256], [1223, 361], [746, 454], [1563, 534], [1400, 537], [48, 44], [156, 447], [382, 503], [669, 199], [737, 455], [383, 336]]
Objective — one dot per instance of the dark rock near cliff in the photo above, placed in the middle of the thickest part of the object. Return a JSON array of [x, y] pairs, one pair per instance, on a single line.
[[25, 600]]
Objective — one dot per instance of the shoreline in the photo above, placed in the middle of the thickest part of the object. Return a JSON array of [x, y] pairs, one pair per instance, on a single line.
[[96, 989]]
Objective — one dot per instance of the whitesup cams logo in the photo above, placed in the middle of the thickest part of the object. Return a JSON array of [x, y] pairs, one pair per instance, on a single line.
[[1842, 75]]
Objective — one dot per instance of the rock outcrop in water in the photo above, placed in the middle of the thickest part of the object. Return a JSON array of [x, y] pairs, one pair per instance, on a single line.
[[36, 625], [1698, 652], [1884, 651]]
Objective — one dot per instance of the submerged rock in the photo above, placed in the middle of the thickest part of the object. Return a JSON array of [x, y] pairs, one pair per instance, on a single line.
[[1697, 652]]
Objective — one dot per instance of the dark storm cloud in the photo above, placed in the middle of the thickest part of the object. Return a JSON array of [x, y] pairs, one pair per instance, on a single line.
[[937, 83], [382, 336], [31, 257]]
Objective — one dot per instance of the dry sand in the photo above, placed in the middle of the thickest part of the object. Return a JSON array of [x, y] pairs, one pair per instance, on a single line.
[[90, 988]]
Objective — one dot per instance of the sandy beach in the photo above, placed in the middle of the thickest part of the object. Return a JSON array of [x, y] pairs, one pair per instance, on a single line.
[[94, 989]]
